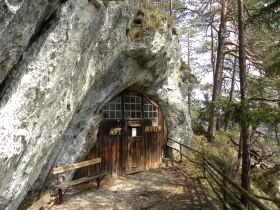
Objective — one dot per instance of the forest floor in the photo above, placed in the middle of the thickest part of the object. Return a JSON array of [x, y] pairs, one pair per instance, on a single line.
[[162, 188]]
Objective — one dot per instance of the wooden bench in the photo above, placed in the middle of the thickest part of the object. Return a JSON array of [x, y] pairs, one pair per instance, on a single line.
[[65, 185]]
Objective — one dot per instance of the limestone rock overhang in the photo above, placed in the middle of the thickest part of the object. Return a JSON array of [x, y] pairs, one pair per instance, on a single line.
[[64, 61]]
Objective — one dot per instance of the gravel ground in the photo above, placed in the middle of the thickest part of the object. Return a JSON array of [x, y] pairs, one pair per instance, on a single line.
[[162, 188]]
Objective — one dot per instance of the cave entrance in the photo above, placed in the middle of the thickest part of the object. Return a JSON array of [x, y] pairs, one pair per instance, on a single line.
[[132, 136]]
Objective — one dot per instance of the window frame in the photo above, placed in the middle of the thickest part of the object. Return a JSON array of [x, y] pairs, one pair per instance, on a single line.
[[135, 106], [115, 110], [154, 109], [133, 102]]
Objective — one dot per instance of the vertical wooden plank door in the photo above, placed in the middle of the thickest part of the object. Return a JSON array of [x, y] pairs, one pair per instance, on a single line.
[[110, 154], [134, 158]]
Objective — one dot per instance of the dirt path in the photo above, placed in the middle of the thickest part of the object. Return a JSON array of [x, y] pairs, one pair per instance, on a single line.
[[162, 188]]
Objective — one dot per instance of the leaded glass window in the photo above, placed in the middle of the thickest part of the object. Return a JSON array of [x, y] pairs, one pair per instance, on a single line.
[[150, 110], [132, 107], [112, 110]]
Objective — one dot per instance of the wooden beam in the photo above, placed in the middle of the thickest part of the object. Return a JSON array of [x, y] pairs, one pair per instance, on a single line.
[[41, 202], [74, 166], [66, 185]]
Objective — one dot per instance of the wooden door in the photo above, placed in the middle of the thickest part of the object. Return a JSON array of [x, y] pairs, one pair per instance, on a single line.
[[134, 151], [110, 146], [110, 154], [107, 147]]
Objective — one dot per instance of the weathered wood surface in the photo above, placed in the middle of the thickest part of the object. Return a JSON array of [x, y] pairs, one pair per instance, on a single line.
[[123, 154], [123, 151], [134, 158], [74, 166], [41, 202], [107, 147], [66, 185]]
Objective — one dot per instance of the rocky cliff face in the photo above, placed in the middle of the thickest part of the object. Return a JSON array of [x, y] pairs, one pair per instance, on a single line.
[[60, 62]]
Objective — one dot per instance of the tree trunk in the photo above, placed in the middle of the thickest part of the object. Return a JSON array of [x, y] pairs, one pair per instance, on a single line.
[[170, 5], [213, 61], [239, 156], [189, 62], [231, 88], [211, 131], [244, 133]]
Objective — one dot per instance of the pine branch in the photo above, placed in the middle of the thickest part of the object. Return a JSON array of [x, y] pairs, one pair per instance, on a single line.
[[267, 9], [251, 59]]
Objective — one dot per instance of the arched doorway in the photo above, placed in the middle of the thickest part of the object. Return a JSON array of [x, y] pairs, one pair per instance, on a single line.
[[132, 136]]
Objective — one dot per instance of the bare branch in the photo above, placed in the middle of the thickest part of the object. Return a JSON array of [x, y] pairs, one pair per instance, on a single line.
[[264, 99]]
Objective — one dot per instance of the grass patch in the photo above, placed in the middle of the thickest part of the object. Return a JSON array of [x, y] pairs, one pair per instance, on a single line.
[[222, 153]]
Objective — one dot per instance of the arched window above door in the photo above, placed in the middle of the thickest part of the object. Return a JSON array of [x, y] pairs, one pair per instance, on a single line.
[[133, 107], [113, 109], [150, 110]]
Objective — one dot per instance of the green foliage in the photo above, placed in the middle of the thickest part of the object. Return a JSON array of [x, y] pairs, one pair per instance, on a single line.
[[272, 65], [264, 87], [202, 111], [222, 153], [252, 114], [266, 45], [267, 13], [262, 116], [263, 34], [255, 112]]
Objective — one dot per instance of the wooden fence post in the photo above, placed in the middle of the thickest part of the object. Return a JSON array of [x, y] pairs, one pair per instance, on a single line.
[[204, 165], [226, 198]]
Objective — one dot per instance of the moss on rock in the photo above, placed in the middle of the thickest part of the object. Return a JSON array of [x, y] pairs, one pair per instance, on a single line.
[[95, 3], [149, 19]]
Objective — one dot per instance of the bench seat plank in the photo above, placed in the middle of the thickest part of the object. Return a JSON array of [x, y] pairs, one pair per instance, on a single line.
[[74, 166], [62, 169], [66, 185]]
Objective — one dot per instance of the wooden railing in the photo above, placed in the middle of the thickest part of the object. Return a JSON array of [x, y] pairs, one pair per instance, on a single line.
[[227, 191]]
